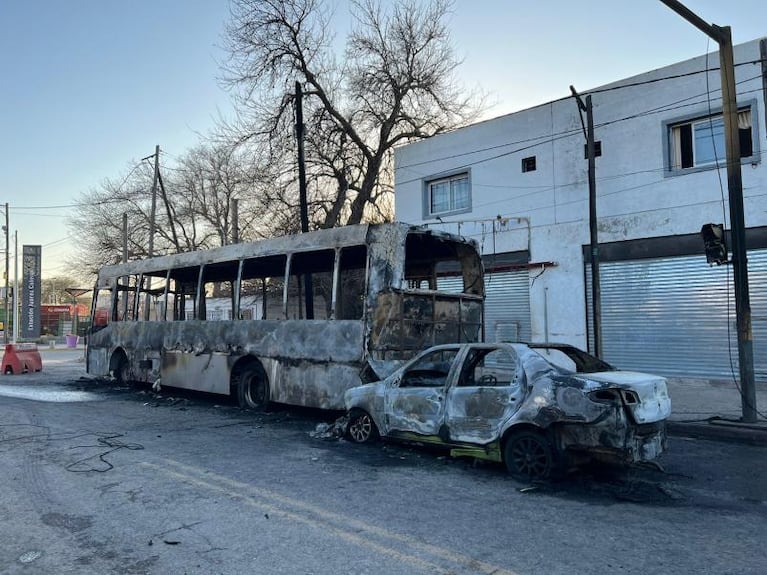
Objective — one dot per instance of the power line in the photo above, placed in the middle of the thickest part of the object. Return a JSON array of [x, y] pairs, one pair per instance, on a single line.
[[513, 215], [543, 140], [672, 77], [68, 206], [559, 187]]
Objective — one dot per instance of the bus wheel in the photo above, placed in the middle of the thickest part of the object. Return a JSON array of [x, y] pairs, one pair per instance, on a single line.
[[122, 371], [253, 389], [362, 428]]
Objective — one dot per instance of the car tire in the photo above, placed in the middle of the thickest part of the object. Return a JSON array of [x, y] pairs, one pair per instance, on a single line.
[[253, 389], [529, 456], [361, 428]]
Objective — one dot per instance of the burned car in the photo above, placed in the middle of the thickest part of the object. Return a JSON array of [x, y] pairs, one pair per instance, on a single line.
[[507, 402]]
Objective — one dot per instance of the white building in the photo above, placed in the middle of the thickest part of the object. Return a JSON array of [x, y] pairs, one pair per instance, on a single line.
[[518, 184]]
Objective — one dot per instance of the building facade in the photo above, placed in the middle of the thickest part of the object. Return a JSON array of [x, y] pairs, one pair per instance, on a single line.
[[518, 184]]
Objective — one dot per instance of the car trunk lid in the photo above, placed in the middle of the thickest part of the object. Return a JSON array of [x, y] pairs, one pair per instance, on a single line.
[[653, 402]]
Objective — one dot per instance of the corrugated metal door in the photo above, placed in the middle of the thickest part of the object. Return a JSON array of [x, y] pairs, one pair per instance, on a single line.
[[507, 306], [674, 315]]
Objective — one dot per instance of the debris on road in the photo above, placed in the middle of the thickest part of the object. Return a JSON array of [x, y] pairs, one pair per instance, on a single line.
[[331, 431]]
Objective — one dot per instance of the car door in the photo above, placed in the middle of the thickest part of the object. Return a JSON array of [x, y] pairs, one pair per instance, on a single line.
[[488, 390], [416, 402]]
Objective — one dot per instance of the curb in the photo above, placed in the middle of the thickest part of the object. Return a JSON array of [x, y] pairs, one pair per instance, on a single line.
[[717, 430]]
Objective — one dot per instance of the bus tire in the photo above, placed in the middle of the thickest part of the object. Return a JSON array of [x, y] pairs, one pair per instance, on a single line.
[[121, 371], [253, 389]]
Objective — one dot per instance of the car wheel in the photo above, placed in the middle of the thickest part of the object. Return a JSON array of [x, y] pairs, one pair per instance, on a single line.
[[528, 455], [253, 389], [361, 428]]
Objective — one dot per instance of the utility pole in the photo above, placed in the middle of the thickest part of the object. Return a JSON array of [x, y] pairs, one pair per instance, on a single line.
[[7, 257], [723, 36], [235, 221], [125, 237], [302, 192], [152, 218], [15, 286], [153, 213], [596, 292]]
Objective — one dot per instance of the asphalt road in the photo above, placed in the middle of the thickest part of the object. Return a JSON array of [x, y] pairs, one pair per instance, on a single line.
[[101, 479]]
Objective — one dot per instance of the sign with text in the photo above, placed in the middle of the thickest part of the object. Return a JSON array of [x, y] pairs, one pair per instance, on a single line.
[[30, 291]]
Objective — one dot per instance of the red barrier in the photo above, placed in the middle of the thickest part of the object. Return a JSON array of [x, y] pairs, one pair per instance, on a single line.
[[21, 358]]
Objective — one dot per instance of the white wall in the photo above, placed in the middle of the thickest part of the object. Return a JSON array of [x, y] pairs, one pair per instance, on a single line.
[[636, 198]]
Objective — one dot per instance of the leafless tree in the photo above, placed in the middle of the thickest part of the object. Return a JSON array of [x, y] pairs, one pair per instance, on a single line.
[[193, 209], [96, 224], [205, 182], [395, 82]]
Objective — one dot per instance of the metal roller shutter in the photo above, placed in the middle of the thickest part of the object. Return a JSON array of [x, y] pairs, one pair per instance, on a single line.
[[671, 315], [507, 306]]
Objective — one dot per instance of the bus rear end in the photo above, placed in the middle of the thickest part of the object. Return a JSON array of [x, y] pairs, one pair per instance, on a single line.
[[432, 294]]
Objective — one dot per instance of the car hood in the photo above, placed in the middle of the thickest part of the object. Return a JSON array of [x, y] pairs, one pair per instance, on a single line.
[[377, 369], [363, 396], [654, 402]]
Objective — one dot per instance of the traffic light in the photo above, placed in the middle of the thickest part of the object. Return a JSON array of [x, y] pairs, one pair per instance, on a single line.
[[714, 244]]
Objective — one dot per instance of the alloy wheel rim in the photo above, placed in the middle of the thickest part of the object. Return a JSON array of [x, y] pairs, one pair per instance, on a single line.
[[361, 428], [530, 458]]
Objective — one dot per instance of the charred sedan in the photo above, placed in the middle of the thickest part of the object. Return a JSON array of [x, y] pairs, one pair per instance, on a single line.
[[508, 403]]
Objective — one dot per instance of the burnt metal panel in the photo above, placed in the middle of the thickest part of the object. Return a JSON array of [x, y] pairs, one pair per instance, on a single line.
[[322, 357], [407, 322], [207, 372], [675, 315]]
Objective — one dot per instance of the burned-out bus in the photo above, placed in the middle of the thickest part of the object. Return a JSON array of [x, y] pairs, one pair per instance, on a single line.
[[296, 319]]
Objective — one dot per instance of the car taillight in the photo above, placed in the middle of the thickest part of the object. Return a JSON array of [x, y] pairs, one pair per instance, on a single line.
[[617, 396], [605, 396], [630, 397]]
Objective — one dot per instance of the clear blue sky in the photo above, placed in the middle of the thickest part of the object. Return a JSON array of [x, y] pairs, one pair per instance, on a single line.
[[92, 85]]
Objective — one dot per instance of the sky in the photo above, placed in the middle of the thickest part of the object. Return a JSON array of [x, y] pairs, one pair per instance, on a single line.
[[91, 86]]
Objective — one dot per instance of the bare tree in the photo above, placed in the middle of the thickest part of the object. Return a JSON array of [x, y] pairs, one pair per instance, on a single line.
[[96, 224], [193, 207], [396, 82], [206, 181]]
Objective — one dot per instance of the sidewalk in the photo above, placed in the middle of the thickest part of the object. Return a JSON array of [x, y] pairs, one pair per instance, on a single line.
[[711, 409]]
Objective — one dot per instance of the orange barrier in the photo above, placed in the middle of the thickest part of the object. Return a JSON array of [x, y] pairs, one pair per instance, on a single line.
[[21, 358]]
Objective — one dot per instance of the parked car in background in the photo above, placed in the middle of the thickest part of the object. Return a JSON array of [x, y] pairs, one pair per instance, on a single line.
[[509, 402]]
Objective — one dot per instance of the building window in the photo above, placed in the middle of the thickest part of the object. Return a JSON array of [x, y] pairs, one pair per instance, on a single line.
[[597, 149], [700, 142], [448, 195], [528, 164]]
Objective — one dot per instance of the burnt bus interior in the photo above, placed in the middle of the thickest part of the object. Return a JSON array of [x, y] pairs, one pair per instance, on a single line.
[[442, 303], [255, 287], [430, 262], [183, 293]]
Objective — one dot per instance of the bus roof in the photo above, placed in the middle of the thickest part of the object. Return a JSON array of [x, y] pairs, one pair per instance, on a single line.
[[330, 238]]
